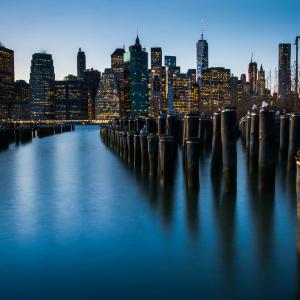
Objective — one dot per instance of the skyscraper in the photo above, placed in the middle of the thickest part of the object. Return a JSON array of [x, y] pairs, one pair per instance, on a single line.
[[252, 73], [202, 57], [117, 68], [192, 90], [215, 88], [7, 77], [261, 82], [135, 80], [107, 99], [91, 79], [234, 89], [42, 83], [284, 67], [155, 82], [170, 61], [21, 108], [156, 61], [155, 95], [71, 99], [180, 93], [81, 64]]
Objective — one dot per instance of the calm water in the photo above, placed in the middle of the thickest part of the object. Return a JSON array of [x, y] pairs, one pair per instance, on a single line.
[[77, 223]]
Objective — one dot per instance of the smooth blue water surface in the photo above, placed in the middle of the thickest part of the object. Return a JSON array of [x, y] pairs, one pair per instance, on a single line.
[[77, 223]]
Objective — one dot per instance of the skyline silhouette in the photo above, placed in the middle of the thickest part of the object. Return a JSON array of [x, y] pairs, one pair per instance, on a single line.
[[98, 27]]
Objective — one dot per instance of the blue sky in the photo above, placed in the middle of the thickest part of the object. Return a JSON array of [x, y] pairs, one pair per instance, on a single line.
[[234, 29]]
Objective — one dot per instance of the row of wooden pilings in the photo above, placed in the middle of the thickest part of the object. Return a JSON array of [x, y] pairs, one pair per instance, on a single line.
[[13, 133], [266, 133], [152, 144]]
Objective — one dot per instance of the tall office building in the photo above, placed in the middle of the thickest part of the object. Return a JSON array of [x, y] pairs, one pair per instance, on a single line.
[[170, 61], [156, 61], [71, 99], [234, 89], [202, 57], [41, 87], [107, 99], [168, 75], [192, 90], [7, 77], [155, 95], [261, 82], [181, 101], [135, 81], [91, 79], [252, 73], [155, 82], [215, 88], [81, 64], [284, 67], [21, 108], [117, 67]]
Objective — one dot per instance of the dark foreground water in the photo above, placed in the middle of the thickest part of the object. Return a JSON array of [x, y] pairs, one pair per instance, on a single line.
[[76, 223]]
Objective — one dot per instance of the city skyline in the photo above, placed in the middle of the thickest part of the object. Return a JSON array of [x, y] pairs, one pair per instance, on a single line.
[[49, 32]]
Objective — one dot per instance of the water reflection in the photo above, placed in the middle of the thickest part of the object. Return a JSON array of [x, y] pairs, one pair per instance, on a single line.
[[192, 212], [226, 211], [99, 210]]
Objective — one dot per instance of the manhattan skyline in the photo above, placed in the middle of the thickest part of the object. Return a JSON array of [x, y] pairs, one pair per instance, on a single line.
[[98, 27]]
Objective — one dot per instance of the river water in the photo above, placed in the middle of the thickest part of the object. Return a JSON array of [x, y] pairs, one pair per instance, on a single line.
[[77, 223]]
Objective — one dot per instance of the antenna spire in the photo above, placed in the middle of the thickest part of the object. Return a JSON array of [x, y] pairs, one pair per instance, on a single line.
[[202, 28]]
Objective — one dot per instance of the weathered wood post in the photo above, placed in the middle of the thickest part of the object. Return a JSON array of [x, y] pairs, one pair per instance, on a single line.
[[254, 142], [228, 137], [284, 133], [167, 149], [192, 162], [152, 154], [130, 147], [144, 152], [172, 126], [216, 150], [294, 139], [229, 154], [161, 125], [151, 125], [137, 151], [266, 158]]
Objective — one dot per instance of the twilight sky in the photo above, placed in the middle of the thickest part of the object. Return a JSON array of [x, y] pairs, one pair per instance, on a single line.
[[233, 28]]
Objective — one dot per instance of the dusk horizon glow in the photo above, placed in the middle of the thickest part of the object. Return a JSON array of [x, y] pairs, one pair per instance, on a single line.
[[233, 31]]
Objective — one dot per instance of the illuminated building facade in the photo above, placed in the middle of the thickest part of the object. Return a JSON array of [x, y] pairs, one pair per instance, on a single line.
[[135, 81], [117, 67], [239, 93], [91, 80], [202, 57], [192, 90], [107, 99], [233, 89], [41, 87], [7, 77], [180, 93], [215, 88], [170, 61], [21, 107], [156, 61], [155, 82], [71, 99], [168, 75], [155, 96], [81, 64], [261, 82], [284, 70], [252, 73]]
